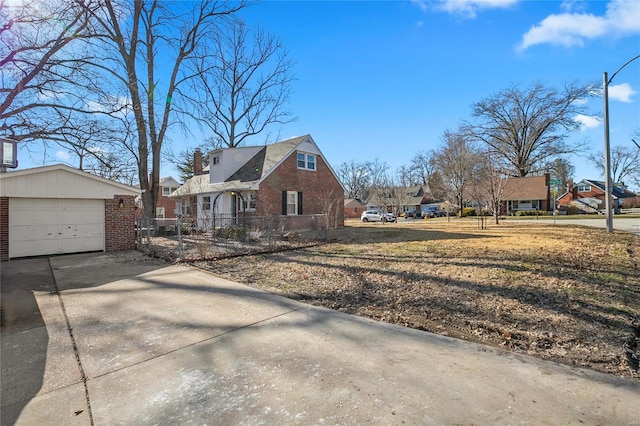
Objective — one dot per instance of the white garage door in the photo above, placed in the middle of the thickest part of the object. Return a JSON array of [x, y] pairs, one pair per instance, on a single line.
[[40, 226]]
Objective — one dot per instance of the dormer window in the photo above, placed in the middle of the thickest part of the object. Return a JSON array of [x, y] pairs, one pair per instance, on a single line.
[[306, 161], [584, 188]]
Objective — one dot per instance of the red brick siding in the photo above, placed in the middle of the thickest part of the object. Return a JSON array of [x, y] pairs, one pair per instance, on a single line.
[[575, 195], [319, 189], [352, 212], [120, 223], [169, 205], [4, 228]]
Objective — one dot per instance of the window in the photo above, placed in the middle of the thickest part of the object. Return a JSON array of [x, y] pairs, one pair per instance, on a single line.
[[216, 160], [160, 212], [184, 208], [206, 203], [292, 202], [584, 188], [166, 190], [248, 201], [306, 161]]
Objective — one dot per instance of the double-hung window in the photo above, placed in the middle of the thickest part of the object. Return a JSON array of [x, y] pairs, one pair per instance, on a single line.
[[206, 203], [306, 161], [291, 203], [249, 201]]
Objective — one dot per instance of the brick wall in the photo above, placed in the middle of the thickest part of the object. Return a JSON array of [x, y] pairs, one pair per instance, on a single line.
[[169, 205], [120, 223], [320, 190], [4, 228]]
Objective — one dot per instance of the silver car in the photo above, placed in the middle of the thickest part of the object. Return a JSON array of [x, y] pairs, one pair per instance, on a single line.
[[377, 216]]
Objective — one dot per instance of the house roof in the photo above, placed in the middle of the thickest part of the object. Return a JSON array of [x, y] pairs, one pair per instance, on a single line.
[[266, 160], [525, 188], [169, 181], [618, 191], [352, 202], [249, 174], [60, 181]]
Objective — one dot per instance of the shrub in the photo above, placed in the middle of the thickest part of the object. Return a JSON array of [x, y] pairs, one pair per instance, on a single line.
[[231, 233], [572, 209], [468, 211], [532, 213]]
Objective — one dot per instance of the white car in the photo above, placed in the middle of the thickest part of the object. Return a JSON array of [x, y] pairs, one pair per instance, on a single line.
[[377, 216]]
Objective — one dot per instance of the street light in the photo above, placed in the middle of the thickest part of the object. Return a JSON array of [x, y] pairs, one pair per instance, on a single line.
[[608, 186]]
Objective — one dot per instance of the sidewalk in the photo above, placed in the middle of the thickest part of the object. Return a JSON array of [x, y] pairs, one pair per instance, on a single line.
[[174, 345]]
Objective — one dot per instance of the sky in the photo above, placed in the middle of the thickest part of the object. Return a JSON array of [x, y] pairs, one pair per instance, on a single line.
[[386, 79]]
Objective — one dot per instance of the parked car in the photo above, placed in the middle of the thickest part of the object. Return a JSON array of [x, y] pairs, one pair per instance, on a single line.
[[377, 216], [390, 217], [433, 211], [413, 213]]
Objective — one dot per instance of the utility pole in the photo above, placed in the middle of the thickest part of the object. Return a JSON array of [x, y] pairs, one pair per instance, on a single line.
[[607, 146]]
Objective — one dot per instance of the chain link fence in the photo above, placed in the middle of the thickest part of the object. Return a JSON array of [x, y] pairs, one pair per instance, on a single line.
[[222, 236]]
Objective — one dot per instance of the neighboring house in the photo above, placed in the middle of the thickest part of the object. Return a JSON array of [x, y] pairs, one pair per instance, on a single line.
[[401, 199], [589, 195], [353, 208], [527, 193], [291, 179], [165, 206], [58, 209]]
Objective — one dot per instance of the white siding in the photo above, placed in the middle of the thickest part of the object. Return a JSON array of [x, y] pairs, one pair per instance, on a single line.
[[60, 182]]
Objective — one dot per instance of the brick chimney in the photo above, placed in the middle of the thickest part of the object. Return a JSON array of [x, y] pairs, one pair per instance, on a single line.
[[197, 162], [570, 186]]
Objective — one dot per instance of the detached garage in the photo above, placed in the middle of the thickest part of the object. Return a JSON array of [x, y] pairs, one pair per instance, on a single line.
[[58, 209]]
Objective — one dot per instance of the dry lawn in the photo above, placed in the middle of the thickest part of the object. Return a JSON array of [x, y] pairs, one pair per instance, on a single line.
[[568, 294]]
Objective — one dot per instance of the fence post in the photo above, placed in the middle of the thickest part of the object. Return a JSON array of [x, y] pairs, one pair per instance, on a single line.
[[179, 226]]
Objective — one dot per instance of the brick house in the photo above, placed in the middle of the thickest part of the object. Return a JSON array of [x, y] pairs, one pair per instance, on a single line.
[[527, 193], [58, 209], [291, 179], [166, 206], [353, 208], [589, 195]]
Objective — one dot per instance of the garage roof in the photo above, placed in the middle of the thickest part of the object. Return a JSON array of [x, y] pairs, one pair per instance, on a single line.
[[60, 181]]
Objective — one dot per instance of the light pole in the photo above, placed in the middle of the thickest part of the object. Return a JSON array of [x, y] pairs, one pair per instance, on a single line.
[[608, 185]]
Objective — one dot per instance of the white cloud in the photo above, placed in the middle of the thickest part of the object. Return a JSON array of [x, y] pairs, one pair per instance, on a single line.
[[573, 28], [586, 121], [621, 92], [464, 8], [63, 156]]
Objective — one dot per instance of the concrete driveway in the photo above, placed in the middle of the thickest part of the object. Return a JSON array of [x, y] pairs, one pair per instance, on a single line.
[[122, 339]]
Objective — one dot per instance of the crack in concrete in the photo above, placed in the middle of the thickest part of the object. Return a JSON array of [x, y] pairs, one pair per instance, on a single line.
[[75, 346]]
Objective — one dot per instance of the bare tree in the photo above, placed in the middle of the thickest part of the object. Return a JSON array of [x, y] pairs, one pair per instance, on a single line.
[[143, 53], [355, 176], [562, 170], [40, 44], [625, 163], [528, 126], [244, 84], [422, 167], [489, 184], [97, 149], [456, 162]]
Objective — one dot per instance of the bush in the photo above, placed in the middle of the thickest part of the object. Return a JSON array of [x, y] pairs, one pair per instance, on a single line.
[[532, 213], [572, 209], [231, 233], [468, 211]]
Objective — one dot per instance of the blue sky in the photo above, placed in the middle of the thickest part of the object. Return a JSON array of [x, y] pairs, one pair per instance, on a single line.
[[385, 79]]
